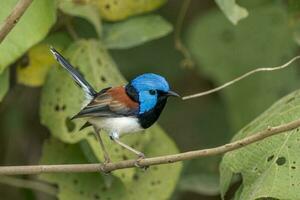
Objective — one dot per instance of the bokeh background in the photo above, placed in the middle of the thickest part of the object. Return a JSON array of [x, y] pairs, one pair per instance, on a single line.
[[219, 51]]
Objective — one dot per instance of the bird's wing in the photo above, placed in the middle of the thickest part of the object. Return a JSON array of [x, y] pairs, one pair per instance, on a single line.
[[110, 102]]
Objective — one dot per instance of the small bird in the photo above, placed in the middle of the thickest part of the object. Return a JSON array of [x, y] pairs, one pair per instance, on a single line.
[[123, 109]]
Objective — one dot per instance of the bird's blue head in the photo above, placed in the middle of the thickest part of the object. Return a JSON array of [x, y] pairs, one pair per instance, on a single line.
[[150, 90]]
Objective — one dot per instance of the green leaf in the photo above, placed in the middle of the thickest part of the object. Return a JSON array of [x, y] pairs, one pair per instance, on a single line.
[[86, 11], [32, 28], [122, 9], [159, 181], [135, 31], [269, 168], [61, 99], [233, 11], [262, 40], [4, 83]]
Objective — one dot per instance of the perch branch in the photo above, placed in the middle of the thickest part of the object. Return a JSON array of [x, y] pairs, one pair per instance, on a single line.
[[263, 69], [13, 18], [72, 168]]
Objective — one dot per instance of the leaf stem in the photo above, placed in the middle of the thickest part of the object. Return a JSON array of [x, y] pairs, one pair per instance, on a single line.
[[187, 61], [263, 69]]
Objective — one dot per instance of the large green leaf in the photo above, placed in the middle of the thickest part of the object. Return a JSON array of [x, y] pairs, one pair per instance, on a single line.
[[32, 28], [4, 83], [135, 31], [157, 182], [224, 51], [61, 99], [269, 168], [233, 11]]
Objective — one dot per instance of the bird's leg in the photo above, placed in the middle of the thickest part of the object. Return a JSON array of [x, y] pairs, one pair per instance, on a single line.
[[138, 153], [106, 156]]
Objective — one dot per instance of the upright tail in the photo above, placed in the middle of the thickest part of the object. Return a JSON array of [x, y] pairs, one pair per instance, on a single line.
[[87, 88]]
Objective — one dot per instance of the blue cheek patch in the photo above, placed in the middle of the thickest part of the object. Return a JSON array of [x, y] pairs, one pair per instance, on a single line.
[[147, 101]]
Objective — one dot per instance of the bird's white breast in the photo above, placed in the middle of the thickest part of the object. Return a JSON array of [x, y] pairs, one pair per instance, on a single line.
[[117, 125]]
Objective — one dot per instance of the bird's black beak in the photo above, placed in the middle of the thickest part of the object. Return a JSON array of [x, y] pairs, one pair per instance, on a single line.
[[171, 93]]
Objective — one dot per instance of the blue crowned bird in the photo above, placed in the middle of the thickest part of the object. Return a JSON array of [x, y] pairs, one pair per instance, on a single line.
[[124, 109]]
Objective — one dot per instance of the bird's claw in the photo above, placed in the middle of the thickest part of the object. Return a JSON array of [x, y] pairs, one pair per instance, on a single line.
[[136, 163], [106, 160]]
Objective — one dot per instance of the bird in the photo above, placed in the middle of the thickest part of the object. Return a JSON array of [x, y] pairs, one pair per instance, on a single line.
[[121, 109]]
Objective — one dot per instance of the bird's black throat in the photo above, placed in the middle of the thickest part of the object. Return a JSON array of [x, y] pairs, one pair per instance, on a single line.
[[148, 118]]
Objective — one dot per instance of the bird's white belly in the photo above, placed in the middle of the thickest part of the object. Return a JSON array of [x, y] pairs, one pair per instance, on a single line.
[[117, 125]]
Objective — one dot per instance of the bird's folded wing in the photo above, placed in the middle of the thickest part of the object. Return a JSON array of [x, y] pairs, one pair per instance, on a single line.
[[110, 102]]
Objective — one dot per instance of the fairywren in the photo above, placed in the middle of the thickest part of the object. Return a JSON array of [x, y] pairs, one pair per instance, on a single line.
[[123, 109]]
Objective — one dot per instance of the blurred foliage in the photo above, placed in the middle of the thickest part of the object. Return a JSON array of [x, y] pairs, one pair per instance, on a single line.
[[230, 52], [31, 29], [114, 10], [269, 168], [86, 11], [232, 11], [135, 31], [224, 41]]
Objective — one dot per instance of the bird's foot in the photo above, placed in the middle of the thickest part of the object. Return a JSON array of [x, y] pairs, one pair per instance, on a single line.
[[106, 160], [137, 162]]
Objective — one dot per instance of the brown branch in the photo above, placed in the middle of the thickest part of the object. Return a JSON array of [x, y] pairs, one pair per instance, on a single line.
[[13, 18], [72, 168]]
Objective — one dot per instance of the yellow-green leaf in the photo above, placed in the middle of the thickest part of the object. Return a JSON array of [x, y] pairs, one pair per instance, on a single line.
[[114, 10], [39, 64], [38, 60]]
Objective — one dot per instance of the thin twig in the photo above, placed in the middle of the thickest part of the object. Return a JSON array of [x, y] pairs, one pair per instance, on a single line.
[[240, 78], [29, 184], [70, 28], [13, 18], [187, 61], [72, 168]]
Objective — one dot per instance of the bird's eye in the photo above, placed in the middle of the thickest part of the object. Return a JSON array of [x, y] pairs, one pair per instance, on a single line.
[[152, 92]]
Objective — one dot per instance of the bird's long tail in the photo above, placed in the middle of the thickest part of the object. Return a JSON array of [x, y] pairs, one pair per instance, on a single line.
[[78, 78]]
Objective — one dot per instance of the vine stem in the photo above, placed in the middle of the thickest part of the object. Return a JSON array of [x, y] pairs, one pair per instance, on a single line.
[[13, 18], [98, 167], [263, 69], [29, 184], [187, 61]]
